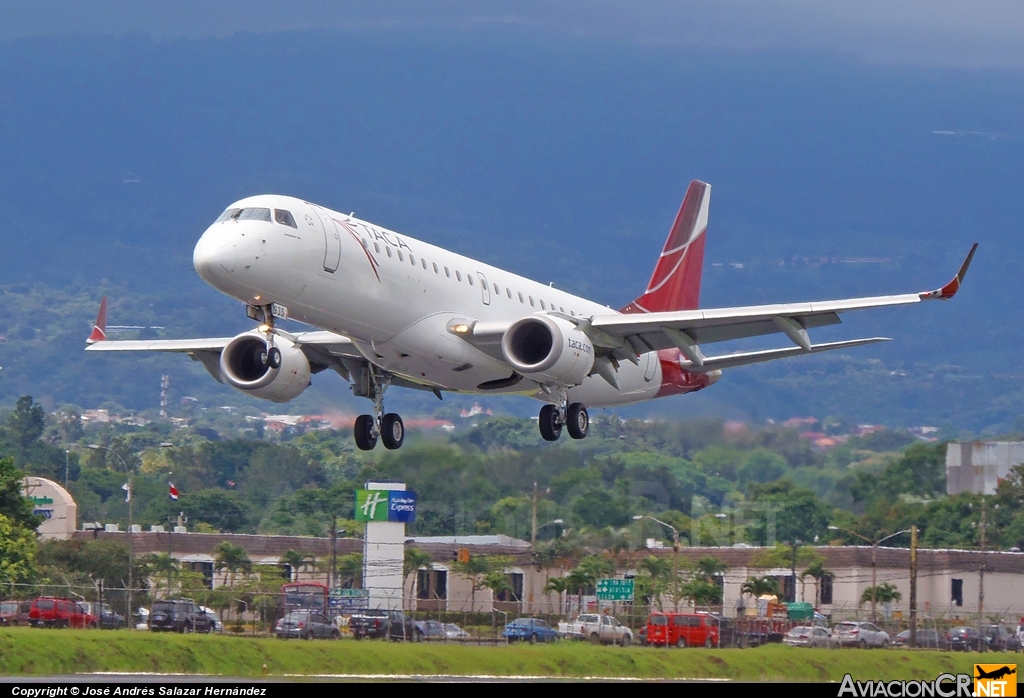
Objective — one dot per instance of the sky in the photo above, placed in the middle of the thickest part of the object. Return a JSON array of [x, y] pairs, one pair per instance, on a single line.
[[935, 33]]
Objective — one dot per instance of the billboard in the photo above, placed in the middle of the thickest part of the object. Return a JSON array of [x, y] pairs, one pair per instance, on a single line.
[[395, 506]]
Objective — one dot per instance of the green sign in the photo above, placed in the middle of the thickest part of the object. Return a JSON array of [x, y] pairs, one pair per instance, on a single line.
[[371, 505], [349, 593], [614, 589]]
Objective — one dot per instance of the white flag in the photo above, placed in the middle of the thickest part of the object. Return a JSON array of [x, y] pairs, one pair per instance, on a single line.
[[127, 492]]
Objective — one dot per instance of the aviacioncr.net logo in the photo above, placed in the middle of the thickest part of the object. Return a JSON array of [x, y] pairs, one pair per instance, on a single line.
[[944, 686]]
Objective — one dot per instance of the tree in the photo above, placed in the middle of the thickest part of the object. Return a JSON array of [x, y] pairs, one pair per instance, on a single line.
[[26, 423], [477, 568], [786, 513], [818, 572], [17, 553], [884, 593], [350, 571], [652, 580], [295, 561], [701, 592], [412, 561], [557, 585], [232, 559], [759, 586]]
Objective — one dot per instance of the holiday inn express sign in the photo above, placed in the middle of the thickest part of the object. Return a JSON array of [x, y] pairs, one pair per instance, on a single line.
[[396, 506]]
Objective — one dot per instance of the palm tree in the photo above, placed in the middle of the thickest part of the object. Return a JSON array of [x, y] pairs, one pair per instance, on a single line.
[[710, 567], [818, 572], [884, 593], [759, 586], [232, 559], [557, 585], [295, 561], [413, 560]]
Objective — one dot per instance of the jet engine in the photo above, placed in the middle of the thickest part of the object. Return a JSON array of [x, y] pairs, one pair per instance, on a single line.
[[548, 349], [278, 374]]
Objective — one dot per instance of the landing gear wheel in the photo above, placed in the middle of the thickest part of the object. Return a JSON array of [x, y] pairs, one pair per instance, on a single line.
[[550, 429], [365, 438], [392, 431], [274, 357], [577, 421]]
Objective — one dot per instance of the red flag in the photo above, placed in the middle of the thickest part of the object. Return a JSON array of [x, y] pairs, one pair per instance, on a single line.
[[174, 492]]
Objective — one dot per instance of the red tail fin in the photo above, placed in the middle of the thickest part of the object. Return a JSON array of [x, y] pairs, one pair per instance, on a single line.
[[99, 330], [675, 284]]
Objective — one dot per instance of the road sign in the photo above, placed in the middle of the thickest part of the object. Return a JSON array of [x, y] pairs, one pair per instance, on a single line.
[[348, 600], [614, 589]]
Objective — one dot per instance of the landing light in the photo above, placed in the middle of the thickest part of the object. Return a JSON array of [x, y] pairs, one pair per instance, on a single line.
[[264, 328], [460, 329]]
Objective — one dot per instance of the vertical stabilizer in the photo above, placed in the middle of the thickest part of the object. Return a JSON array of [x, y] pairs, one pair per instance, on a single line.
[[675, 284], [99, 330]]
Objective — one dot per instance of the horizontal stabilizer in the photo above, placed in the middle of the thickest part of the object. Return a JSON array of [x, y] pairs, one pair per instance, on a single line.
[[752, 357]]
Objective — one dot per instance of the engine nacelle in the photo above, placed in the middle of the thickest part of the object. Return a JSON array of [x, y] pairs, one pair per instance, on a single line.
[[245, 363], [547, 348]]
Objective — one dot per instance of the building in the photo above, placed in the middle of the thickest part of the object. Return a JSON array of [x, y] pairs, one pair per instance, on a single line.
[[55, 504], [978, 466]]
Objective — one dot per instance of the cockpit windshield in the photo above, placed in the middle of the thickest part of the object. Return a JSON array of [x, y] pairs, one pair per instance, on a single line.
[[284, 218], [245, 214]]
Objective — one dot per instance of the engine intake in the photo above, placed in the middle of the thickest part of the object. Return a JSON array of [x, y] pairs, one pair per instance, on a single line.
[[549, 349], [248, 364]]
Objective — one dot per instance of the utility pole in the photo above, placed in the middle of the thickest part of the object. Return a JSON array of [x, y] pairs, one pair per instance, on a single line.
[[333, 581], [795, 544], [913, 586], [533, 529], [874, 579], [981, 583]]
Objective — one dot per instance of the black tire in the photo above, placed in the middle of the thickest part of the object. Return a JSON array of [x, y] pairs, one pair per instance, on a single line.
[[274, 357], [577, 421], [550, 429], [863, 644], [595, 639], [363, 432], [392, 431], [626, 641], [681, 642]]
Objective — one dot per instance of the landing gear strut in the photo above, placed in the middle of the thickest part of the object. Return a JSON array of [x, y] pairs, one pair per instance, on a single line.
[[573, 417], [388, 427]]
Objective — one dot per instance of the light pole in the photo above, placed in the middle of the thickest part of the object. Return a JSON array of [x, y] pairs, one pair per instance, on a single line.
[[67, 466], [874, 549], [675, 555], [131, 540]]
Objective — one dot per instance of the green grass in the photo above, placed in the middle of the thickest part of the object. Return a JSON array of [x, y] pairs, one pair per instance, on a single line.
[[29, 651]]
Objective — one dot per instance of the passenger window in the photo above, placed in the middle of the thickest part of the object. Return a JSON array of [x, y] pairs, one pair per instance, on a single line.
[[412, 260], [469, 278], [388, 250], [531, 302], [231, 213], [561, 309], [284, 218], [435, 268], [424, 262], [376, 247], [508, 291], [447, 273], [458, 275], [542, 306], [254, 214], [496, 291], [521, 298], [366, 245], [400, 257]]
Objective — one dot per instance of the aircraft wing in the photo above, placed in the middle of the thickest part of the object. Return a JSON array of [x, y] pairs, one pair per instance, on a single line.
[[625, 336]]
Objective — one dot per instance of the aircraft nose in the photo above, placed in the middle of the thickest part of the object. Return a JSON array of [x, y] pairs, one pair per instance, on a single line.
[[213, 256]]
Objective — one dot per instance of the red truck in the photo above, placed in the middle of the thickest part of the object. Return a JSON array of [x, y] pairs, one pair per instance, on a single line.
[[53, 612], [682, 630]]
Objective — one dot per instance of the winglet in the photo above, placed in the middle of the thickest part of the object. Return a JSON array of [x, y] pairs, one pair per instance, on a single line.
[[99, 330], [950, 289]]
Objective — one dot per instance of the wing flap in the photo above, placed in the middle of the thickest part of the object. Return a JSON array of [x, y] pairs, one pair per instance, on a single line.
[[752, 357]]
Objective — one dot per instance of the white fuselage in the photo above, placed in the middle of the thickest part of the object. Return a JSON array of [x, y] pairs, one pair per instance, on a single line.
[[394, 297]]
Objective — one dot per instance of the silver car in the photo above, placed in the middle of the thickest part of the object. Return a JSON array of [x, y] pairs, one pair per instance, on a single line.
[[807, 636], [861, 634]]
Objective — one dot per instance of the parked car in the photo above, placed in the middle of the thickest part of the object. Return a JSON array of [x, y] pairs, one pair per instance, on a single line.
[[809, 636], [453, 632], [964, 639], [217, 625], [380, 623], [1000, 639], [141, 618], [682, 630], [108, 620], [180, 616], [927, 639], [601, 629], [308, 625], [53, 612], [530, 629], [860, 634], [428, 630], [15, 613]]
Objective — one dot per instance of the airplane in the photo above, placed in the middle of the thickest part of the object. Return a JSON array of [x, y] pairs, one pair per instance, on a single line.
[[394, 311]]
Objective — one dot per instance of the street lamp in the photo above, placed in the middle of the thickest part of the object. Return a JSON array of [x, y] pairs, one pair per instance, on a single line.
[[874, 549], [675, 554], [131, 540]]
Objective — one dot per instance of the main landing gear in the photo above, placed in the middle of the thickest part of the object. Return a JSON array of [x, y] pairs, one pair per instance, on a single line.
[[369, 427], [573, 417]]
